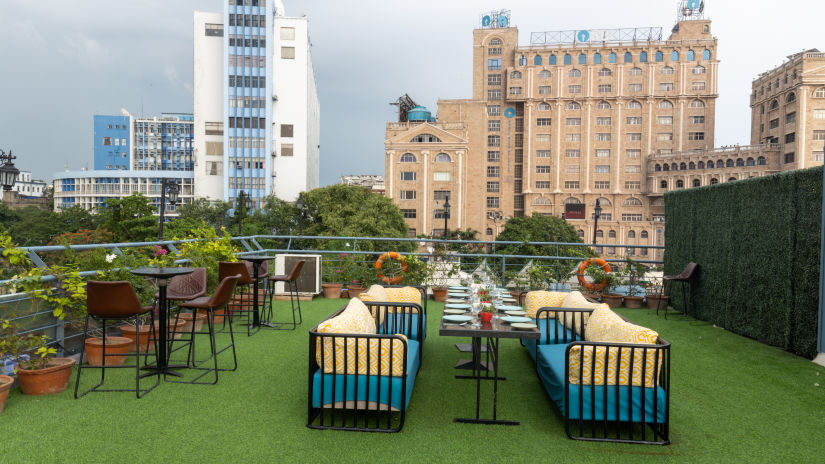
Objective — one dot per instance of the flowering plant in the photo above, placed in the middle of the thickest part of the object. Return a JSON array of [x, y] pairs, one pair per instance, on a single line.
[[161, 257], [207, 251], [333, 270]]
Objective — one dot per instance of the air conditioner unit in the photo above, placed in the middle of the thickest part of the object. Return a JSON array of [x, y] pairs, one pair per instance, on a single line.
[[309, 281]]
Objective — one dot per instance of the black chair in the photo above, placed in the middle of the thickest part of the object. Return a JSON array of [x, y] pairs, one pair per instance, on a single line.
[[290, 280], [685, 278], [115, 301]]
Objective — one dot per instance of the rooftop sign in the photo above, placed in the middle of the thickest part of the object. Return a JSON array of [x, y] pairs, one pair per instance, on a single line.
[[584, 36], [495, 20]]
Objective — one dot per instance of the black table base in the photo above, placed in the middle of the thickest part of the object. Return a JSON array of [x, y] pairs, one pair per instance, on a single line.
[[491, 359]]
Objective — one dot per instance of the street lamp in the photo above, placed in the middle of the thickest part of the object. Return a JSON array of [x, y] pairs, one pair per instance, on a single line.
[[300, 205], [597, 213], [446, 214], [8, 172], [244, 202], [167, 187]]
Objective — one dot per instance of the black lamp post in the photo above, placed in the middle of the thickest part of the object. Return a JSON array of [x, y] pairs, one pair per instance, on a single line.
[[243, 204], [446, 214], [597, 213], [300, 205], [8, 172], [167, 187]]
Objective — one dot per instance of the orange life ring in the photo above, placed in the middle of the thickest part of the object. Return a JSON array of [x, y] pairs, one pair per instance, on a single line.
[[592, 286], [380, 263]]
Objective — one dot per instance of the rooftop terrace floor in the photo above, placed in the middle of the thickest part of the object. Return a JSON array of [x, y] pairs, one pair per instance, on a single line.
[[733, 400]]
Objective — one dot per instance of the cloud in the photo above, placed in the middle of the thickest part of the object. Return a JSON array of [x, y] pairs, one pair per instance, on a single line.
[[172, 75], [79, 46]]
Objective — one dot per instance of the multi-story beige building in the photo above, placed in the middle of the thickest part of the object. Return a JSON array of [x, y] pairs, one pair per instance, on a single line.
[[557, 125], [788, 110]]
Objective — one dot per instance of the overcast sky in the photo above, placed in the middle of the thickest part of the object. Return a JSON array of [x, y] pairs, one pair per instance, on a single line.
[[64, 61]]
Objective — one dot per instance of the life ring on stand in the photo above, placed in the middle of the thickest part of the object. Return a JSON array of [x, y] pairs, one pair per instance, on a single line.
[[592, 286], [380, 263]]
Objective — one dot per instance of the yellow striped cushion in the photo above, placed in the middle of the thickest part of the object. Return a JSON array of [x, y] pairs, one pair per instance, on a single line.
[[542, 299], [404, 295], [578, 301], [374, 293], [600, 324]]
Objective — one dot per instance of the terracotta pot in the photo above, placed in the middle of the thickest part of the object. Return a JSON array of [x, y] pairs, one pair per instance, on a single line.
[[128, 331], [172, 327], [332, 290], [440, 293], [355, 290], [486, 317], [188, 318], [114, 345], [5, 385], [50, 380], [634, 302], [345, 293], [592, 296], [614, 301], [653, 301], [219, 315]]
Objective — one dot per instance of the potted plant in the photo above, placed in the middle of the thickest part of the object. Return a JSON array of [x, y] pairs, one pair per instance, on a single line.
[[332, 277], [114, 345], [353, 275], [653, 294], [633, 273], [6, 383], [609, 281], [39, 373], [441, 271], [520, 281], [486, 313]]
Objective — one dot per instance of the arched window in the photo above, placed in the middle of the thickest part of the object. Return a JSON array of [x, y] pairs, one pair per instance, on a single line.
[[774, 104], [599, 234], [750, 162], [710, 164], [663, 184], [495, 42], [603, 202], [635, 71], [572, 201], [633, 202], [699, 70], [660, 57], [425, 138], [545, 74], [714, 181], [443, 158], [551, 60], [697, 183], [544, 107], [568, 59], [631, 234], [667, 70], [643, 57], [644, 234], [580, 233], [690, 55], [674, 55], [790, 98], [657, 168], [680, 183], [573, 106], [729, 163], [674, 167], [582, 58], [628, 57], [574, 73], [408, 158], [537, 60], [603, 105], [683, 167], [489, 231], [702, 165], [697, 104], [665, 104], [522, 61], [819, 93], [634, 105], [541, 201], [604, 72], [611, 234], [740, 162], [515, 75], [597, 58], [706, 55], [691, 165], [666, 167], [612, 57], [761, 161]]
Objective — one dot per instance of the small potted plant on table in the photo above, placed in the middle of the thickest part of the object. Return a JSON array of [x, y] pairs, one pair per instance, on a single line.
[[486, 313]]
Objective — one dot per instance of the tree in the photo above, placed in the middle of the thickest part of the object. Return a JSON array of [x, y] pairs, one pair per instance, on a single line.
[[215, 213], [130, 218]]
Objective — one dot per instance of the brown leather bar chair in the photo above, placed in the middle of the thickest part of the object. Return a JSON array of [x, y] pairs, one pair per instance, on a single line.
[[685, 278], [243, 290], [114, 301], [219, 299], [184, 288], [291, 281]]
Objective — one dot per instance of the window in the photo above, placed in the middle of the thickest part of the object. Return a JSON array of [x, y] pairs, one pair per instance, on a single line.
[[407, 175], [287, 130], [408, 158], [774, 123], [213, 30], [697, 119], [633, 185], [674, 55], [574, 73], [697, 85], [568, 59], [551, 59], [819, 135], [545, 74], [443, 158], [493, 141], [574, 89], [542, 169], [790, 118], [819, 114], [287, 33], [634, 120], [573, 122], [634, 88], [634, 105], [603, 105], [515, 90], [605, 88], [493, 110], [493, 171], [494, 51], [572, 137], [699, 70], [633, 168], [494, 64], [537, 60], [493, 79], [790, 138], [817, 156], [515, 75], [493, 156], [544, 107], [572, 153], [603, 153], [660, 57], [441, 176], [582, 58], [492, 187], [441, 195], [774, 105], [604, 72], [492, 202], [408, 213], [790, 98], [667, 70], [666, 86], [663, 184], [668, 120], [288, 53], [643, 57], [107, 141], [573, 106], [494, 125], [602, 169], [761, 161], [665, 104], [544, 122], [287, 149], [603, 136], [634, 136], [542, 184], [544, 90], [664, 136], [408, 194], [494, 94], [495, 42], [789, 158], [542, 153], [597, 58], [543, 138], [635, 71], [571, 184], [572, 169], [750, 162], [603, 185]]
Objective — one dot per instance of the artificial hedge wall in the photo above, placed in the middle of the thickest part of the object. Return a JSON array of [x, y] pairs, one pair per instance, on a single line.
[[757, 245]]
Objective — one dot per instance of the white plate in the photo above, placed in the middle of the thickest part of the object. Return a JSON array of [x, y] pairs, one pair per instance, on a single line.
[[515, 319], [457, 306], [455, 300], [524, 326], [458, 319], [454, 311], [508, 308], [516, 313], [456, 287]]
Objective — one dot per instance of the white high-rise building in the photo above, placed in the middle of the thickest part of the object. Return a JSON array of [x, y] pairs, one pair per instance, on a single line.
[[257, 114]]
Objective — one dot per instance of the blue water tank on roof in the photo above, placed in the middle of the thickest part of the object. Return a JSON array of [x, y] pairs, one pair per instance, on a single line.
[[419, 114]]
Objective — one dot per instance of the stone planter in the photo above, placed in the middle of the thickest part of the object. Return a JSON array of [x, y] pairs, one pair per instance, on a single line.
[[634, 302], [5, 385], [614, 301], [114, 345], [332, 290], [653, 301], [47, 381]]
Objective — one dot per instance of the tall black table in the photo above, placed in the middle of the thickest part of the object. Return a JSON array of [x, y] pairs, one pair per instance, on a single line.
[[256, 261], [492, 331], [162, 276]]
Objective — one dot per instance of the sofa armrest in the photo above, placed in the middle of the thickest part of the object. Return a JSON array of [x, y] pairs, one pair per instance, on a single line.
[[561, 333]]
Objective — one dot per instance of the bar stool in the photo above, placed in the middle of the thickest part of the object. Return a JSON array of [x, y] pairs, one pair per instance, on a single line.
[[219, 299], [291, 280], [184, 288], [115, 301], [243, 288], [685, 279]]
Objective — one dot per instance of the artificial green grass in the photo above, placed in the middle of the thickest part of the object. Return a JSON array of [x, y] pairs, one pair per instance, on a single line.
[[733, 400]]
